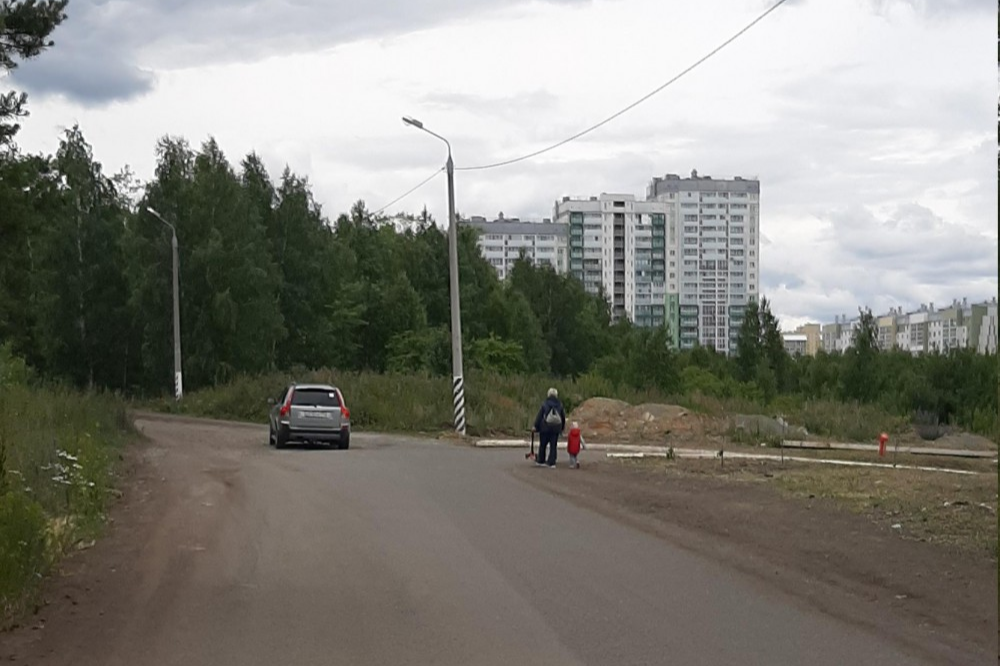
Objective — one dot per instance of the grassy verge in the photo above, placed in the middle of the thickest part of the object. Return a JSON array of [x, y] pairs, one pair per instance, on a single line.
[[504, 404], [943, 508], [404, 403], [58, 455], [956, 510]]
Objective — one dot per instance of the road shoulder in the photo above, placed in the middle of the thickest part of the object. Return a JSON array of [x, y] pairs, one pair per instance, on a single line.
[[929, 597]]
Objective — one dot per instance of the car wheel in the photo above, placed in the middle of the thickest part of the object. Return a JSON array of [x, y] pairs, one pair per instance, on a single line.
[[279, 441], [345, 442], [270, 436]]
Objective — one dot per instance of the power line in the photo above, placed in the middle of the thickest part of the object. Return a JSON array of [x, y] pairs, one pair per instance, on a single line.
[[592, 127], [630, 106], [408, 192]]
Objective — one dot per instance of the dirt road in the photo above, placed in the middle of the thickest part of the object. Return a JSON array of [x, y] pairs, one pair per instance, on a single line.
[[398, 551]]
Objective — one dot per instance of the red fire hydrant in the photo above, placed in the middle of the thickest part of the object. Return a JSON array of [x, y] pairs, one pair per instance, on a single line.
[[882, 439]]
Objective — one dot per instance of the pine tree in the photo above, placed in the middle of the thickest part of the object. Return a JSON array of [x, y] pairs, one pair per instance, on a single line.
[[25, 26]]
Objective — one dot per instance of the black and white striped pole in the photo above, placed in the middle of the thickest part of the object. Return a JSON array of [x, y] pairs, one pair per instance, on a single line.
[[457, 378]]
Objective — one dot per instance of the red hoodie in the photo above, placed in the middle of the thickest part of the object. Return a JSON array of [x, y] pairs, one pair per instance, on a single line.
[[573, 442]]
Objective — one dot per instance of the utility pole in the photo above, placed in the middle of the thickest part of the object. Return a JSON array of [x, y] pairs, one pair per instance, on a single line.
[[178, 375], [457, 378]]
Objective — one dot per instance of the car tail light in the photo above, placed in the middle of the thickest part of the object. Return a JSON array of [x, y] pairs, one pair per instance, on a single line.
[[344, 411], [287, 407]]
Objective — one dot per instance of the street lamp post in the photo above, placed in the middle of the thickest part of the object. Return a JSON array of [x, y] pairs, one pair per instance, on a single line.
[[178, 377], [457, 379]]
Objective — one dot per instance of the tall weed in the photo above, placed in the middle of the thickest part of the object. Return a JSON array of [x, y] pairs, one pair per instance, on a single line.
[[58, 450]]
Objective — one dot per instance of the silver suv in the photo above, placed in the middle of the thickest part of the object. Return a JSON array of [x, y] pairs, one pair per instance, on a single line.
[[310, 414]]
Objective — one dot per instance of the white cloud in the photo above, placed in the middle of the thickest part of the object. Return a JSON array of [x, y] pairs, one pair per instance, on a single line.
[[869, 123]]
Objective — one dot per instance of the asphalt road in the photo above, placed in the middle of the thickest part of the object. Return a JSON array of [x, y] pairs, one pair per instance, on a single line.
[[401, 551]]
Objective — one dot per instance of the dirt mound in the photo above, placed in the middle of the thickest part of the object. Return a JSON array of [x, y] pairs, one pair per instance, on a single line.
[[963, 440], [606, 420]]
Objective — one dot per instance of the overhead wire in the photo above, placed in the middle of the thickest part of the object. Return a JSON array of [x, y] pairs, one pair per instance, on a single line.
[[598, 125], [408, 192], [631, 106]]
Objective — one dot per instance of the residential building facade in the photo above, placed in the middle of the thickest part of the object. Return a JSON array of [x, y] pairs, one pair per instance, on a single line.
[[986, 341], [813, 334], [795, 343], [839, 335], [960, 325], [687, 256], [713, 255], [617, 247], [503, 241]]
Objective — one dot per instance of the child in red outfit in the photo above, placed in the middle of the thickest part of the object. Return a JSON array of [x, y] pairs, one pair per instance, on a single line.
[[574, 443]]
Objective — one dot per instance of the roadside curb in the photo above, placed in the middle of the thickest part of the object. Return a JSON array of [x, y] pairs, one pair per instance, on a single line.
[[523, 444], [791, 444], [912, 450], [633, 451], [705, 455]]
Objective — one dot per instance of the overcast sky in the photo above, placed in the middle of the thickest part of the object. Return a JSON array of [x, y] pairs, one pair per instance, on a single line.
[[870, 123]]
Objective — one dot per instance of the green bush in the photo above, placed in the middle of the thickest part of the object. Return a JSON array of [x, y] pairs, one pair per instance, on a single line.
[[58, 454], [852, 422], [506, 404], [23, 557], [13, 370], [496, 404]]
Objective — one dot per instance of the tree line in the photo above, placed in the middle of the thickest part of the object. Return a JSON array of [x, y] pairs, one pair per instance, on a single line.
[[269, 282]]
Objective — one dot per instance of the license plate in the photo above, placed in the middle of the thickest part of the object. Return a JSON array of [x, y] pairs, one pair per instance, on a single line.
[[315, 415]]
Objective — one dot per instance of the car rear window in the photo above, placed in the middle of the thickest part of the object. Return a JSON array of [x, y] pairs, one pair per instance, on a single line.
[[315, 398]]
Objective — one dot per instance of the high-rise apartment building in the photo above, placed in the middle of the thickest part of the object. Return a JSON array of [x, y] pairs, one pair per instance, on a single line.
[[617, 247], [504, 240], [713, 255]]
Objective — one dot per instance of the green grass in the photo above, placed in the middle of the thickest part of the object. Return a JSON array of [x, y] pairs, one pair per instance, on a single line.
[[502, 404], [941, 508], [403, 403], [58, 455]]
